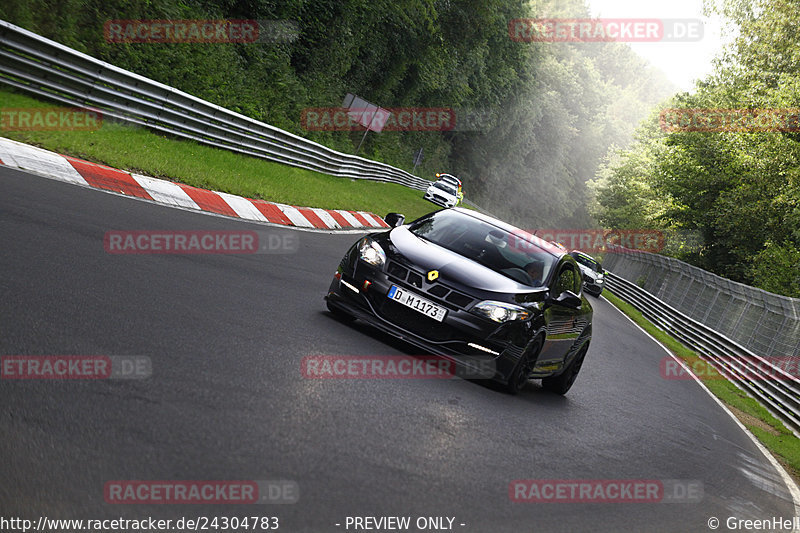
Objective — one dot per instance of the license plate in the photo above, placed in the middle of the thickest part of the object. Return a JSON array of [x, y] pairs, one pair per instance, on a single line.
[[417, 303]]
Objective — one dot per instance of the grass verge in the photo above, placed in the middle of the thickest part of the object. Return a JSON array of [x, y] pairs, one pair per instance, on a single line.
[[767, 429], [136, 149]]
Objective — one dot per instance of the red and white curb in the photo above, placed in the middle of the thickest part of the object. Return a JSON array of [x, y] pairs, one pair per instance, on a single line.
[[64, 168]]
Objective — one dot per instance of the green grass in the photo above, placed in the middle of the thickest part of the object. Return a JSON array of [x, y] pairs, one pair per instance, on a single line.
[[139, 150], [768, 429]]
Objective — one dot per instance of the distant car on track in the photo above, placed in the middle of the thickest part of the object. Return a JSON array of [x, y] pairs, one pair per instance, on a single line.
[[449, 178], [593, 274], [442, 193], [468, 287]]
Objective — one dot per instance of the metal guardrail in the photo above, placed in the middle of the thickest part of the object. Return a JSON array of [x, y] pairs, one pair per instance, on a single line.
[[43, 67], [776, 389], [763, 322]]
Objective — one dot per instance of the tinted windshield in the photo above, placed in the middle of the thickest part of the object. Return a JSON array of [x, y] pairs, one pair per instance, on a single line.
[[509, 254], [445, 187], [589, 262]]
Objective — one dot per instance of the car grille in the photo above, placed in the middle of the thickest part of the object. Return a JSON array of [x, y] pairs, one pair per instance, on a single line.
[[416, 322], [459, 299], [439, 290], [397, 271], [442, 293], [415, 280]]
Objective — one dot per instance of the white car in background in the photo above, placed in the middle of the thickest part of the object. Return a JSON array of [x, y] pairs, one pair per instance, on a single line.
[[442, 193], [593, 273], [449, 178]]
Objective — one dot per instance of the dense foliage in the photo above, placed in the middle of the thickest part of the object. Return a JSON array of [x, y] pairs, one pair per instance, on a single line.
[[543, 114], [738, 191]]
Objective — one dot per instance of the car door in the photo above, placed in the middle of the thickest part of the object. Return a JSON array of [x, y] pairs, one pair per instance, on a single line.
[[563, 324]]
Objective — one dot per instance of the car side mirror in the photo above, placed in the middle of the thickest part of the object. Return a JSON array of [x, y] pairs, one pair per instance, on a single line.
[[568, 299], [394, 219]]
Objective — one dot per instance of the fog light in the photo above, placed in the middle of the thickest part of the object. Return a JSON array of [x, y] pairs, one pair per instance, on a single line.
[[351, 287], [482, 348]]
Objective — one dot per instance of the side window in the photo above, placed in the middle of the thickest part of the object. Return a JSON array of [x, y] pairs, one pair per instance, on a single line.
[[568, 280]]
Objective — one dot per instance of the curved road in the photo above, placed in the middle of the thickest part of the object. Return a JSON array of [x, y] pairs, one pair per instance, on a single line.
[[227, 401]]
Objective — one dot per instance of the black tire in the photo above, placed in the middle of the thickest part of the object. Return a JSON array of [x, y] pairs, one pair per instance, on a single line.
[[563, 382], [338, 313], [519, 377]]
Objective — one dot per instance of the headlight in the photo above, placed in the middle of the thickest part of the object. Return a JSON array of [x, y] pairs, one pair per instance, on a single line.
[[500, 311], [370, 252]]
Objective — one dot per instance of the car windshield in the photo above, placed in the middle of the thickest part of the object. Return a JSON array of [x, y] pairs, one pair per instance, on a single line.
[[446, 187], [513, 255], [588, 261]]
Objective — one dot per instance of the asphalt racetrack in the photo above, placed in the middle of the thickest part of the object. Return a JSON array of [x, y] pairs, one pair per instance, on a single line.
[[226, 400]]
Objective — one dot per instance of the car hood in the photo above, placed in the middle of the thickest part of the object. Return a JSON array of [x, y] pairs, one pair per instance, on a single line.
[[590, 272], [453, 266], [437, 190]]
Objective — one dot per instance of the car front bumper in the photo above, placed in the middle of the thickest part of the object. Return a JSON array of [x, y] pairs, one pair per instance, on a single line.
[[438, 200], [593, 287], [482, 349]]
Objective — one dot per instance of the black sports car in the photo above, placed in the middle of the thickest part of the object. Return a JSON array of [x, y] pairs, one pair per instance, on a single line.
[[475, 290]]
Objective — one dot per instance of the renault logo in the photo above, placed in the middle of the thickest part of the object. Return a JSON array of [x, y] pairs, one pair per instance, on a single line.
[[432, 275]]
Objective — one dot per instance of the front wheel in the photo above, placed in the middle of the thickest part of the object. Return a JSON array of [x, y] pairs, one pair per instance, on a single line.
[[519, 377], [563, 382]]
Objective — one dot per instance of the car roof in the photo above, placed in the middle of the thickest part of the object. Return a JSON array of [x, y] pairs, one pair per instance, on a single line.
[[448, 176]]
